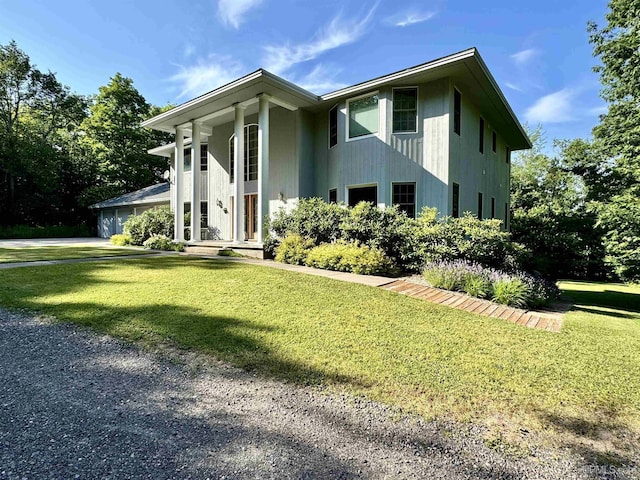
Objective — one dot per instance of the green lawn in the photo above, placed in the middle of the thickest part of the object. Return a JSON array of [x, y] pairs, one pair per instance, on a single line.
[[33, 254], [581, 384]]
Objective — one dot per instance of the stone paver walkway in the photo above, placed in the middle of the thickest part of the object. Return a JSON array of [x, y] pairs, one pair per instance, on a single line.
[[550, 321]]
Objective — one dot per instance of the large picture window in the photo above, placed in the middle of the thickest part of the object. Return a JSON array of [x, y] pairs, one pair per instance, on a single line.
[[204, 152], [363, 116], [405, 110], [250, 154]]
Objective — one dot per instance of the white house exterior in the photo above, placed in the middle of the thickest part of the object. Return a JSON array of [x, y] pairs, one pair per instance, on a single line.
[[438, 134]]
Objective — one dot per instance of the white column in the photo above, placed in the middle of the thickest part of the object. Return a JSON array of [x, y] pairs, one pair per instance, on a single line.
[[238, 181], [178, 188], [263, 165], [195, 181]]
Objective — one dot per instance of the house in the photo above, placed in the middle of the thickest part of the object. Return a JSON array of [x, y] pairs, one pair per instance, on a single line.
[[438, 134], [114, 212]]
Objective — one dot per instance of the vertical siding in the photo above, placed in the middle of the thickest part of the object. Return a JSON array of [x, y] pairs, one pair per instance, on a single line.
[[474, 171]]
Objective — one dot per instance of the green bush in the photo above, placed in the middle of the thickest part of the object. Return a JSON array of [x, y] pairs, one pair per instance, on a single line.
[[162, 242], [312, 218], [476, 285], [293, 249], [510, 291], [121, 239], [156, 221], [50, 231], [443, 276], [350, 257]]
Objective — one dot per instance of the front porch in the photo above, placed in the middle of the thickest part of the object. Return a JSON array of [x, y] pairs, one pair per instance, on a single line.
[[213, 247]]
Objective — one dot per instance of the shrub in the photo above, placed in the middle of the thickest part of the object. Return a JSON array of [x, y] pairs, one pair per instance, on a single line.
[[162, 242], [121, 239], [510, 291], [156, 221], [312, 218], [350, 257], [447, 275], [388, 229], [476, 285], [293, 249]]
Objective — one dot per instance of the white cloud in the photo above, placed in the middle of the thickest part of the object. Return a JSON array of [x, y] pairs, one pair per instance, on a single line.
[[411, 18], [189, 50], [513, 86], [601, 110], [232, 12], [320, 80], [555, 107], [206, 75], [524, 56], [337, 33]]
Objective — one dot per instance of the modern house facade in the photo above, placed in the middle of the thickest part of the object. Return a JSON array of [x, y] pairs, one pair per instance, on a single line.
[[439, 135]]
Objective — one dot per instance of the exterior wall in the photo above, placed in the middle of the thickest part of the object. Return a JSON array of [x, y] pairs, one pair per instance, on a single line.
[[284, 177], [475, 172], [388, 157], [111, 220]]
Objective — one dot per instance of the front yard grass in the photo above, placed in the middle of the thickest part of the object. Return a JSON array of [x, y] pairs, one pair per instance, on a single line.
[[581, 386], [63, 252]]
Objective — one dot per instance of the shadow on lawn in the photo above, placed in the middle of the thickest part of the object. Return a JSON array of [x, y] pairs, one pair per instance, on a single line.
[[607, 299]]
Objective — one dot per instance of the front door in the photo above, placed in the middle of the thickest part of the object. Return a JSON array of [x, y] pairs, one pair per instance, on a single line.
[[250, 216]]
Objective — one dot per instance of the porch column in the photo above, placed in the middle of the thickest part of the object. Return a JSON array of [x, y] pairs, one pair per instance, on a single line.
[[238, 180], [178, 188], [195, 181], [263, 165]]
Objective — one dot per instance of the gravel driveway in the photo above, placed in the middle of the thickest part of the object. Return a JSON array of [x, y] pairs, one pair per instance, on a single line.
[[75, 404]]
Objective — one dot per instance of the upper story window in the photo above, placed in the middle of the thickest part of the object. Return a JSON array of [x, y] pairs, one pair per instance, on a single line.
[[457, 105], [481, 138], [363, 116], [204, 152], [405, 110], [333, 127], [494, 142], [507, 156], [250, 154]]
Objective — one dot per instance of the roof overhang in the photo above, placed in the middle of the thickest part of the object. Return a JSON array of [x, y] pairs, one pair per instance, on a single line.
[[217, 106]]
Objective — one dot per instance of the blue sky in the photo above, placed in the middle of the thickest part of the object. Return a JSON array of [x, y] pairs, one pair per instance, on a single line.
[[537, 51]]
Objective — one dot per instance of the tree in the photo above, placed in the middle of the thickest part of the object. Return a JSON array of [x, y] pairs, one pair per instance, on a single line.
[[117, 145], [617, 45], [550, 213]]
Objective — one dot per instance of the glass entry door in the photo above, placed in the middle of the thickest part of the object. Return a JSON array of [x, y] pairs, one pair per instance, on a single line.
[[250, 216]]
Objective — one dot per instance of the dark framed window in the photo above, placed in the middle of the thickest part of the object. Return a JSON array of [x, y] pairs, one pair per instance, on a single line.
[[507, 156], [204, 152], [455, 204], [405, 110], [250, 154], [404, 196], [494, 142], [333, 195], [479, 205], [187, 159], [493, 207], [204, 214], [481, 138], [363, 116], [333, 127], [363, 194], [457, 104], [506, 216]]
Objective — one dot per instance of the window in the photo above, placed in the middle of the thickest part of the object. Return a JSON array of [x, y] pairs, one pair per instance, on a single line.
[[494, 142], [457, 103], [455, 208], [363, 117], [333, 127], [333, 195], [187, 159], [250, 154], [363, 194], [404, 196], [508, 155], [479, 205], [204, 152], [493, 207], [405, 110], [204, 211], [506, 216], [481, 143]]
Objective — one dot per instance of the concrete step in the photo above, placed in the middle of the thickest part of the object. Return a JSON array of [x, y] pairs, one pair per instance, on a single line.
[[203, 250]]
